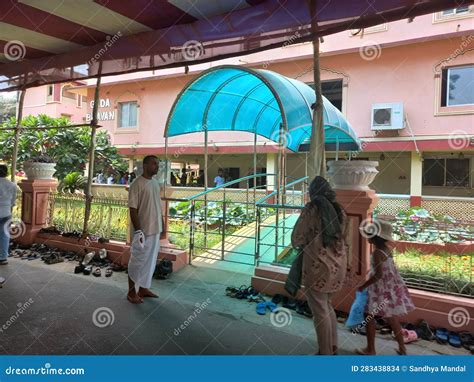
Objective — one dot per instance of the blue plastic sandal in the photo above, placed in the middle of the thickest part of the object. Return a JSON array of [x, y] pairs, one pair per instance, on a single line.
[[272, 306], [261, 308], [442, 335], [454, 339]]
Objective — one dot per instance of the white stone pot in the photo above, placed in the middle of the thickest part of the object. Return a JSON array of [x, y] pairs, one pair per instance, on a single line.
[[352, 175], [36, 170]]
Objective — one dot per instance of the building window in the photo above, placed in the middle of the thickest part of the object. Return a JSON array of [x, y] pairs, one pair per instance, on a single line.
[[332, 90], [446, 172], [456, 86], [49, 93], [128, 114], [454, 13]]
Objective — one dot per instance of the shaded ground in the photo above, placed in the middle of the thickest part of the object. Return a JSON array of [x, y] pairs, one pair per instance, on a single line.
[[60, 318]]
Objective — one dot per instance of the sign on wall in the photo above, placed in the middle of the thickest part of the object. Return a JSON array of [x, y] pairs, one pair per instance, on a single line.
[[104, 115]]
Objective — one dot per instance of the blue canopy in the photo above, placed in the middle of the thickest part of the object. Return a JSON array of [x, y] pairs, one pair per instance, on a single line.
[[234, 98]]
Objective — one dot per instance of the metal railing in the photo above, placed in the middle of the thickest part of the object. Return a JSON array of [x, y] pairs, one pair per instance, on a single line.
[[219, 224], [276, 216], [108, 219]]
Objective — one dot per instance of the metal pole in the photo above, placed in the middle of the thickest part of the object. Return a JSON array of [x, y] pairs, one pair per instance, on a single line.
[[92, 153], [206, 180], [316, 148], [17, 133]]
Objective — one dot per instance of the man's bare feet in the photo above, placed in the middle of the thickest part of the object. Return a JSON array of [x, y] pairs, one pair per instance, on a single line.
[[365, 352], [145, 292], [401, 351], [134, 298]]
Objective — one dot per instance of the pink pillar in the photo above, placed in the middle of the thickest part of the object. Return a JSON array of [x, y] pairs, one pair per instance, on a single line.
[[359, 206], [34, 207]]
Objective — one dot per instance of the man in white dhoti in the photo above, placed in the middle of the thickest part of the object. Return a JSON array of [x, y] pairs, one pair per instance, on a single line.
[[145, 212]]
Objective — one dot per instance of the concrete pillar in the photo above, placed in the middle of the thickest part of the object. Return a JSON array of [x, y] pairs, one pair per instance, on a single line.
[[34, 207], [416, 176], [272, 168]]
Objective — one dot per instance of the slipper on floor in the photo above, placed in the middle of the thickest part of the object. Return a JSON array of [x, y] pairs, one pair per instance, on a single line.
[[108, 272], [97, 272], [79, 269], [441, 335], [272, 306], [454, 340], [88, 258], [424, 331], [467, 340], [261, 308], [87, 270], [409, 336]]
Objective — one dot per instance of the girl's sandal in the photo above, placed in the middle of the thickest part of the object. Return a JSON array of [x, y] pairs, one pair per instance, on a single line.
[[364, 352]]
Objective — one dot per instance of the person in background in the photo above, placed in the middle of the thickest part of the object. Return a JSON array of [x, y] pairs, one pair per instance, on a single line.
[[111, 179], [173, 179], [7, 201], [320, 233], [100, 178], [183, 178], [131, 177], [219, 180], [124, 178], [200, 182]]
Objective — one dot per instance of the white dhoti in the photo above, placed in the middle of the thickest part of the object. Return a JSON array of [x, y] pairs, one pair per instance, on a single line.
[[143, 261]]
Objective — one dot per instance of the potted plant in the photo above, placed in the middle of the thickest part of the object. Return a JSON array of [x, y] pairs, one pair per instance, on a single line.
[[39, 167]]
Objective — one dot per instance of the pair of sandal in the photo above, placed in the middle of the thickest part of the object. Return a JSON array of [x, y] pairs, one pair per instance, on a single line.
[[444, 336], [263, 306], [53, 258]]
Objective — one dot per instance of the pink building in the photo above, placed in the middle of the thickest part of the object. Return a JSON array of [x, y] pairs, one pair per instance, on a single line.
[[57, 101], [405, 87]]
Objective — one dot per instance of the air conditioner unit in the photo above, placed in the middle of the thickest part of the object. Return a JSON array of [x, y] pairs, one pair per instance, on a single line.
[[387, 116]]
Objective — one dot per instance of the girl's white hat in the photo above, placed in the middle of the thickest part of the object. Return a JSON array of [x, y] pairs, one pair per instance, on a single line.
[[379, 228]]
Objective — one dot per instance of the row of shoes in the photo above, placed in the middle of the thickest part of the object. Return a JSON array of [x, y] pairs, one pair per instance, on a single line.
[[90, 259], [299, 306], [422, 330], [55, 231], [244, 293], [442, 335]]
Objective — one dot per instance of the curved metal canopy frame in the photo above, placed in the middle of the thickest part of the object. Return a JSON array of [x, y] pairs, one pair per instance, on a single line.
[[285, 92]]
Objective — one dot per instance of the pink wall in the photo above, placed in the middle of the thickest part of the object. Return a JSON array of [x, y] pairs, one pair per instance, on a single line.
[[36, 103], [398, 73]]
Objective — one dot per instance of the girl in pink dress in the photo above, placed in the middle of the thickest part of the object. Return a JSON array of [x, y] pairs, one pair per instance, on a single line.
[[388, 295]]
